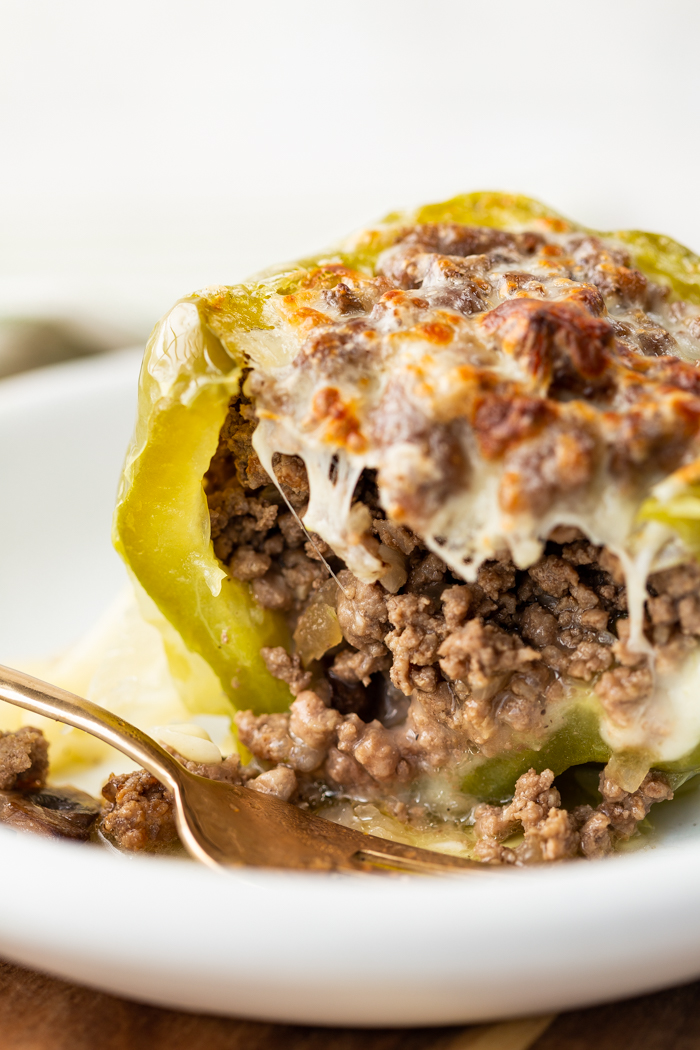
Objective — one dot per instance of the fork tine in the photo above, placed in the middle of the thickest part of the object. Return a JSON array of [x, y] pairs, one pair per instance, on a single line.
[[396, 855]]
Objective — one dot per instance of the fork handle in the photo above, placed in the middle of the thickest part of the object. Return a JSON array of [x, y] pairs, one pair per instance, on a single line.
[[41, 698]]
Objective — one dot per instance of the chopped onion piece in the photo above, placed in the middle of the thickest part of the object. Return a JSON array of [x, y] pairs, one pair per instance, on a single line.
[[317, 632]]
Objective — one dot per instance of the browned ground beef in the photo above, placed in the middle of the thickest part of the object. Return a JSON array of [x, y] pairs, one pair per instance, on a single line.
[[475, 662], [287, 668], [552, 833], [138, 811], [564, 615], [440, 667], [24, 760]]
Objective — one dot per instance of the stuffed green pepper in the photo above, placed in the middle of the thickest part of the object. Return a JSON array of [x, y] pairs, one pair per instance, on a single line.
[[428, 504]]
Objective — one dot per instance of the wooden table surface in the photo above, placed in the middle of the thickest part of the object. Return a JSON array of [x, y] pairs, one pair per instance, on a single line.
[[42, 1013]]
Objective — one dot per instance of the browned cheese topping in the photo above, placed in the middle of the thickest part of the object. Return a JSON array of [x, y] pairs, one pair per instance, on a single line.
[[503, 378], [555, 361]]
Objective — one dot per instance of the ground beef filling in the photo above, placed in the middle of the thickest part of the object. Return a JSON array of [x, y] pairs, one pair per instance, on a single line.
[[137, 813], [552, 833], [24, 760], [254, 531], [427, 669], [442, 667], [493, 652]]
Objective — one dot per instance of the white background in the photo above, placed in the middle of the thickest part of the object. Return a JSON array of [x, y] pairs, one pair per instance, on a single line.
[[149, 147]]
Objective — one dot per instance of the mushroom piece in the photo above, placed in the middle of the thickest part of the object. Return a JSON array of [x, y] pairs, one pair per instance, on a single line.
[[61, 812]]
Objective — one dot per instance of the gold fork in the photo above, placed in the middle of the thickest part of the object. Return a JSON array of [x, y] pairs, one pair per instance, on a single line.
[[223, 824]]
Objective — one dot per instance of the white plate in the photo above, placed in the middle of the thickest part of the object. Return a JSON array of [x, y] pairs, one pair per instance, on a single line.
[[321, 949]]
